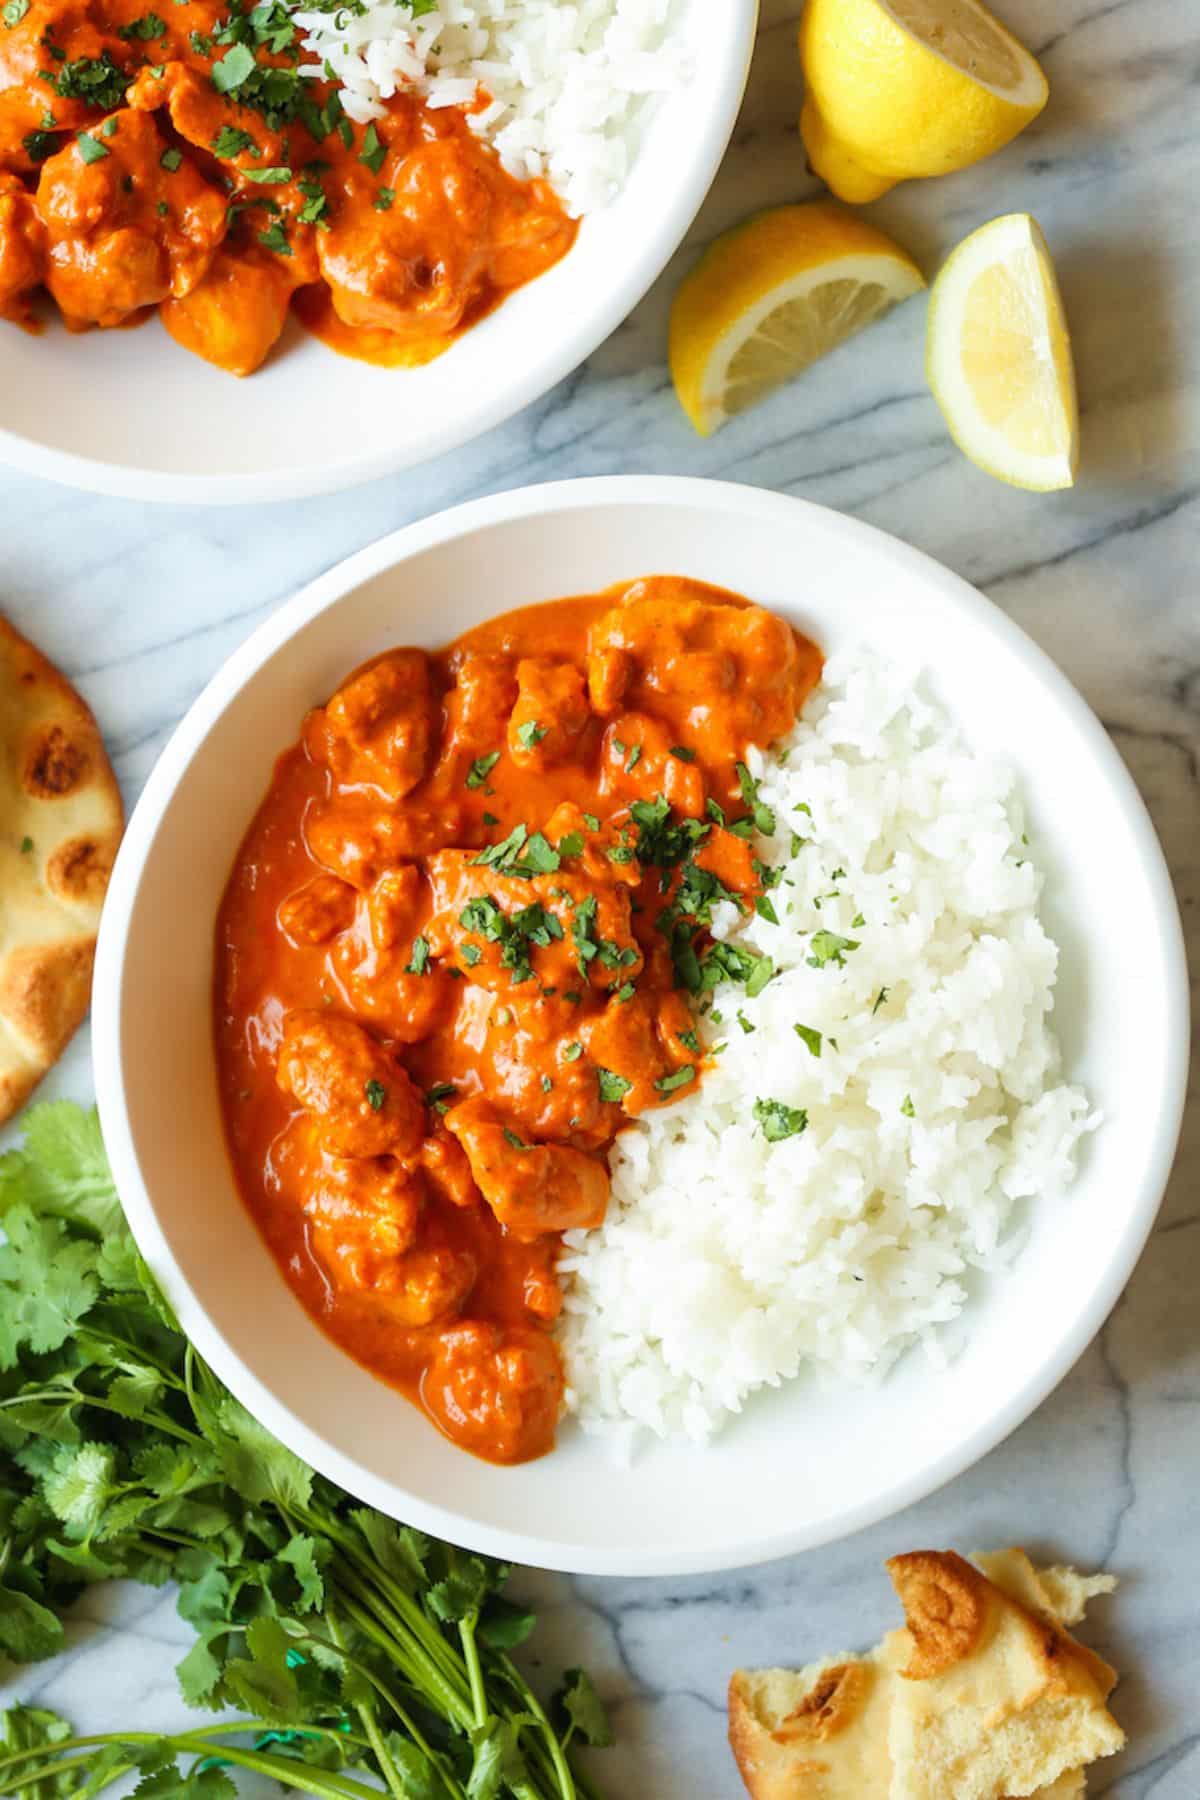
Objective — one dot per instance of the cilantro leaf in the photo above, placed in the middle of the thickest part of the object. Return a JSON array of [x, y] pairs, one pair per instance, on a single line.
[[578, 1699], [778, 1121], [62, 1168], [828, 947], [481, 768], [613, 1088]]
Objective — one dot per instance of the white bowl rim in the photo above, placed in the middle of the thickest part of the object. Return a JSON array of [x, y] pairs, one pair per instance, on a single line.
[[749, 505], [631, 283]]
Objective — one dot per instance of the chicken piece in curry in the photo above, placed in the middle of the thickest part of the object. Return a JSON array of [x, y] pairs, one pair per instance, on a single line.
[[464, 943], [189, 159]]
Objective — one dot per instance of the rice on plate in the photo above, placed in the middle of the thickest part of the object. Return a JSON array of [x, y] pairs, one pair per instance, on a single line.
[[871, 1117], [558, 87]]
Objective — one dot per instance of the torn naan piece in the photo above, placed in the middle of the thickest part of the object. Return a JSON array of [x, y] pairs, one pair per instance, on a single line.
[[995, 1698], [982, 1695], [60, 824]]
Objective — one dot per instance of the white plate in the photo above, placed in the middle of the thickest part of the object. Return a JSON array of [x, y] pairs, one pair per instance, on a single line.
[[800, 1467], [131, 413]]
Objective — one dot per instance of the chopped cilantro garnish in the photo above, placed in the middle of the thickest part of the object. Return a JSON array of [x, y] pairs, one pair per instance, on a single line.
[[613, 1088], [683, 754], [520, 854], [571, 844], [384, 198], [38, 145], [144, 30], [810, 1037], [376, 1094], [540, 855], [547, 1084], [94, 79], [161, 208], [634, 758], [828, 947], [857, 921], [26, 845], [234, 68], [231, 140], [490, 819], [316, 202], [779, 1121], [908, 1109], [715, 812], [373, 151], [171, 160], [267, 177], [510, 1137], [764, 906], [625, 992], [275, 238], [797, 844], [13, 12], [804, 807], [530, 733], [764, 818], [439, 1094], [572, 1052], [591, 821], [880, 997], [481, 768], [470, 954], [418, 962], [667, 1084], [744, 1022], [690, 1041], [90, 148], [109, 127]]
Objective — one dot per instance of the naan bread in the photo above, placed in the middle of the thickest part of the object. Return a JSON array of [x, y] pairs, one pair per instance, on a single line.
[[996, 1698], [60, 824], [983, 1695]]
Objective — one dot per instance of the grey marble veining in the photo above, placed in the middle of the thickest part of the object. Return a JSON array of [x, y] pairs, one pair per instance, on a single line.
[[141, 604]]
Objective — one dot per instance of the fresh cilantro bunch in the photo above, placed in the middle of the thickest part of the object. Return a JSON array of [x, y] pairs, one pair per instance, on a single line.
[[351, 1643]]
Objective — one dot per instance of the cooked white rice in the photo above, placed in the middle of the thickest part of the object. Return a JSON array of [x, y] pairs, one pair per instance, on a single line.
[[567, 80], [729, 1262]]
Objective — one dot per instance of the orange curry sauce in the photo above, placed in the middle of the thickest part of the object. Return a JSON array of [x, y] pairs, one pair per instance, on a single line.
[[461, 946], [173, 155]]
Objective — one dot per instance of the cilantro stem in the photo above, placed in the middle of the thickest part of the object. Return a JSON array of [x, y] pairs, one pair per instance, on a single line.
[[77, 1397], [387, 1694], [370, 1724], [326, 1784], [423, 1643], [466, 1632], [529, 1701]]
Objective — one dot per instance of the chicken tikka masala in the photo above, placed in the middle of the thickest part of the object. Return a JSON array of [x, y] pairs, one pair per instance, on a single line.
[[182, 156], [463, 944]]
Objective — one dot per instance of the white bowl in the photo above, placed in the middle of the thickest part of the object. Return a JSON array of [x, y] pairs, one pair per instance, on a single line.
[[800, 1467], [131, 413]]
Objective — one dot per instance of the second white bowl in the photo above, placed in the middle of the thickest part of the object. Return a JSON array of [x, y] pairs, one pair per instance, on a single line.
[[801, 1466]]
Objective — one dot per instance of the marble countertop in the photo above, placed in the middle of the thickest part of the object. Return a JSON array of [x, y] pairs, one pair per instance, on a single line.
[[139, 605]]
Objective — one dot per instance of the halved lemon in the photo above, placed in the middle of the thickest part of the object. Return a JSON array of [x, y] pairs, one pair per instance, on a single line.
[[998, 356], [903, 88], [771, 296]]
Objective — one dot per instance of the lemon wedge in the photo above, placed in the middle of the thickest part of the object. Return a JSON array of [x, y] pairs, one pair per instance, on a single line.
[[904, 88], [998, 356], [771, 296]]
